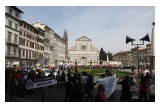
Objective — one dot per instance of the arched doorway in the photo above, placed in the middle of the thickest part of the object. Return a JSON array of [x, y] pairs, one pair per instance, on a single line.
[[84, 61], [90, 62], [75, 62]]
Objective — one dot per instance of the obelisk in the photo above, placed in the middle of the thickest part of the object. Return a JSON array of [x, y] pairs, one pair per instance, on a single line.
[[152, 55]]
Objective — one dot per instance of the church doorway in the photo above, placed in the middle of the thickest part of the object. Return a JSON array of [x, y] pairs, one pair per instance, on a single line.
[[84, 61], [75, 62], [90, 62]]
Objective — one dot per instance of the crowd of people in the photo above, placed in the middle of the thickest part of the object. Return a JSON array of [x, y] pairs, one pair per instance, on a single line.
[[78, 87], [146, 78]]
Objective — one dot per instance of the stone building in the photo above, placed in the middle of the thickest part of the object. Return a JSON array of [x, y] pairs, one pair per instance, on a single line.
[[48, 43], [60, 50], [83, 52], [124, 56], [31, 47], [12, 28], [54, 46]]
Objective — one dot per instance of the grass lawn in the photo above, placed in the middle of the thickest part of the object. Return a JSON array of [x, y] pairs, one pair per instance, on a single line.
[[122, 73], [98, 71]]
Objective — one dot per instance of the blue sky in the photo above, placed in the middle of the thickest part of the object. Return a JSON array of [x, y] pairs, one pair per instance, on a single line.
[[106, 26]]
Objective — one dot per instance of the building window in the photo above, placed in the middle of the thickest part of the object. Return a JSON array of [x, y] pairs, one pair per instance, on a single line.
[[24, 26], [10, 11], [29, 54], [23, 52], [19, 53], [27, 35], [27, 43], [15, 38], [16, 26], [32, 44], [10, 23], [23, 42], [20, 40], [20, 32], [15, 51], [8, 50], [16, 14], [9, 36], [33, 54], [24, 34]]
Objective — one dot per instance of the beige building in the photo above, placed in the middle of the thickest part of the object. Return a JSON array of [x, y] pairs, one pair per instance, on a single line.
[[48, 43], [31, 47], [83, 52], [60, 50], [54, 46], [124, 56], [12, 28], [143, 56], [130, 57]]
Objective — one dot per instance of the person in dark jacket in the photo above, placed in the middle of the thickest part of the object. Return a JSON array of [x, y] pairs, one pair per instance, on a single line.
[[68, 90], [126, 86], [89, 87]]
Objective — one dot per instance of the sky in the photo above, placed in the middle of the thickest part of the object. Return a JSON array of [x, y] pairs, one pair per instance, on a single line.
[[106, 26]]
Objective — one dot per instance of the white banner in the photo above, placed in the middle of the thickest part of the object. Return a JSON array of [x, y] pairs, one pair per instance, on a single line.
[[109, 84], [32, 85]]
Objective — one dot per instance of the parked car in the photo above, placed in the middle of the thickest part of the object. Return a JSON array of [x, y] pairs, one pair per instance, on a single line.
[[46, 72], [55, 72]]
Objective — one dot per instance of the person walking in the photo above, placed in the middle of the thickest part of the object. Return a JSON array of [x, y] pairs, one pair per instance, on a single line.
[[89, 87], [126, 86], [68, 89], [144, 88]]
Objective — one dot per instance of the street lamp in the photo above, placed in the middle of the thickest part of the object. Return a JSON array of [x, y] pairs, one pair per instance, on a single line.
[[145, 38]]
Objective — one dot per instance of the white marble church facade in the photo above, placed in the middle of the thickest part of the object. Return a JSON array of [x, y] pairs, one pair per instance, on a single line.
[[83, 52]]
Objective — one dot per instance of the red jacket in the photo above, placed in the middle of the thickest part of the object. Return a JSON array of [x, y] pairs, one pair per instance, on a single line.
[[101, 97]]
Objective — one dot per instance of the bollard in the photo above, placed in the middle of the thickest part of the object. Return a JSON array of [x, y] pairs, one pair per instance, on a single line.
[[11, 91], [42, 95]]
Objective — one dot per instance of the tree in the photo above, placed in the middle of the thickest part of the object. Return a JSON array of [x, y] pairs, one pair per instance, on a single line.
[[110, 56], [102, 55]]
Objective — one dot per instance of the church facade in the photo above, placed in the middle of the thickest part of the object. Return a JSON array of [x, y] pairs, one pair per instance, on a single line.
[[83, 52]]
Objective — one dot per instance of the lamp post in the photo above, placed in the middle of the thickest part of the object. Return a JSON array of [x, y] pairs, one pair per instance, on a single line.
[[145, 38]]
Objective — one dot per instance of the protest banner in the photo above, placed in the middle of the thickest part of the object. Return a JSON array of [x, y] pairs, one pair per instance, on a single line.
[[109, 84], [40, 82]]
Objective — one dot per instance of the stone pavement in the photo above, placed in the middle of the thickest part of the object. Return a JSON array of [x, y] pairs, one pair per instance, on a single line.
[[57, 95]]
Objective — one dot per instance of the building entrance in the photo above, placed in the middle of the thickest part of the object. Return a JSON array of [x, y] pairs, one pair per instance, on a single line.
[[84, 61]]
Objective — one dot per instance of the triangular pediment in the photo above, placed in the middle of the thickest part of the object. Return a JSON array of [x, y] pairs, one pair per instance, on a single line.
[[83, 38]]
